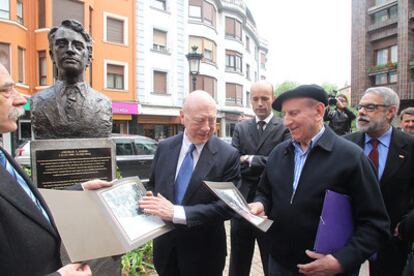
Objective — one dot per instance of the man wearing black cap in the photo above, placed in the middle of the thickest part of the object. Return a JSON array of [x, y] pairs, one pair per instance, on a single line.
[[292, 188]]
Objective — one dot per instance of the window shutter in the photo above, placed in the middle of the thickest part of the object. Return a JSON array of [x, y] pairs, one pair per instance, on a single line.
[[67, 9], [114, 30]]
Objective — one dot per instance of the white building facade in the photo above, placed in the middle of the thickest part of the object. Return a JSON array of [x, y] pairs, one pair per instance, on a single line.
[[234, 56]]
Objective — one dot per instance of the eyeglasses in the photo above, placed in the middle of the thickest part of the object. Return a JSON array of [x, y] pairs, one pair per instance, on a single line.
[[370, 107]]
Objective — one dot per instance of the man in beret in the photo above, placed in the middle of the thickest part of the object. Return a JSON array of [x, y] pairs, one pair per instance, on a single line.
[[291, 191]]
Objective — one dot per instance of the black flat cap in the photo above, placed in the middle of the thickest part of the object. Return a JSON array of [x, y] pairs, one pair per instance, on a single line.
[[312, 91]]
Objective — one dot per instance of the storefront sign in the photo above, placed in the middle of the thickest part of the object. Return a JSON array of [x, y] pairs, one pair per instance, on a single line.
[[124, 108]]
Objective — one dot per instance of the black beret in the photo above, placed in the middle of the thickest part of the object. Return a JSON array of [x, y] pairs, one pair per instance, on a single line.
[[312, 91]]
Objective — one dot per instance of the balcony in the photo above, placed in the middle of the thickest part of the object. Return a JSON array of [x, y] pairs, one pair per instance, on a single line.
[[382, 68], [386, 5], [238, 3], [382, 24]]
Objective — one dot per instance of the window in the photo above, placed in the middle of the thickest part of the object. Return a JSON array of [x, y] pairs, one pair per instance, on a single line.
[[160, 82], [233, 28], [5, 55], [5, 9], [263, 60], [67, 9], [386, 78], [41, 17], [203, 11], [206, 83], [234, 94], [385, 15], [42, 68], [115, 30], [247, 44], [248, 99], [20, 60], [19, 11], [247, 71], [233, 61], [159, 4], [387, 55], [115, 76], [256, 53], [159, 41], [380, 2], [206, 46]]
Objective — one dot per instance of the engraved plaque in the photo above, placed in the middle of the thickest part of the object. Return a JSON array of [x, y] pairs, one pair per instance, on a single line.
[[59, 163]]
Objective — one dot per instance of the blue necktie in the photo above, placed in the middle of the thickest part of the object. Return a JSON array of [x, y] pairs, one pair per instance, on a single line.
[[22, 183], [184, 175]]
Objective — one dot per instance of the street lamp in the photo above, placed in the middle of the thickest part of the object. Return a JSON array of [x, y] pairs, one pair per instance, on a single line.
[[194, 59]]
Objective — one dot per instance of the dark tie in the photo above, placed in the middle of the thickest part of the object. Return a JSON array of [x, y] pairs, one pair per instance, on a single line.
[[184, 175], [22, 182], [373, 155], [261, 125], [72, 101]]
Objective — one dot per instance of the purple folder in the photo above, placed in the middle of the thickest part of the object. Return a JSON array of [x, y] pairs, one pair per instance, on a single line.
[[336, 223]]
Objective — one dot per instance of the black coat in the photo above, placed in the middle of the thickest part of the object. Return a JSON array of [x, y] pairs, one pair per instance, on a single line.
[[29, 244], [247, 141], [200, 246], [397, 181], [333, 163]]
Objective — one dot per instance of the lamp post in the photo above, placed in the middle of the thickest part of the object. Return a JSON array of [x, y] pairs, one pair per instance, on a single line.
[[194, 59]]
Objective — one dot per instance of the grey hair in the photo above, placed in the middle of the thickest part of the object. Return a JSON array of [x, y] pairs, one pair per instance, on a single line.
[[408, 110], [389, 95]]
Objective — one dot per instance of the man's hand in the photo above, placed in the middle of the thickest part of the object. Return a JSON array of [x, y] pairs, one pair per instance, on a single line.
[[323, 265], [157, 206], [76, 269], [257, 208], [95, 184], [244, 158]]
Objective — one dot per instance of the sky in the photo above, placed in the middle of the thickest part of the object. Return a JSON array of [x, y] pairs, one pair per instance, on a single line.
[[309, 40]]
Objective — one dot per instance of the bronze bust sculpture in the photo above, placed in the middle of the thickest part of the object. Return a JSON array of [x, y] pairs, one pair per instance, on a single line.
[[70, 108]]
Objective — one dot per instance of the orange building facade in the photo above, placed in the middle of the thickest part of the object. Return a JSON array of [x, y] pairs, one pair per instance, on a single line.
[[24, 50]]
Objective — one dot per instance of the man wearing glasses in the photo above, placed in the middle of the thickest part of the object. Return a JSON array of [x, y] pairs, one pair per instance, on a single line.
[[392, 154]]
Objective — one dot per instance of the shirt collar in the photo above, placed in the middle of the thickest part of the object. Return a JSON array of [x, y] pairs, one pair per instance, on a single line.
[[313, 141], [267, 120], [384, 139], [82, 87], [187, 143]]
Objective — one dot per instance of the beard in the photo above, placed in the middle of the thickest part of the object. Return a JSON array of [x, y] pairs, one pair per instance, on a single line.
[[373, 125], [16, 113]]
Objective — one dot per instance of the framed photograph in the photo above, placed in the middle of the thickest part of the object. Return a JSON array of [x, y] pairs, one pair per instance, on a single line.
[[230, 195]]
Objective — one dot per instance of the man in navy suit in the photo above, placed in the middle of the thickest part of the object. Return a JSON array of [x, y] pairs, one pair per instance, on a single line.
[[29, 241], [254, 139], [393, 157], [197, 245]]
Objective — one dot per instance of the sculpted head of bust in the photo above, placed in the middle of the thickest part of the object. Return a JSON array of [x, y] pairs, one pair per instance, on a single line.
[[70, 48]]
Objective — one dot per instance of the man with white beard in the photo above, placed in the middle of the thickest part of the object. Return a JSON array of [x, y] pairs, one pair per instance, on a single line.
[[392, 154]]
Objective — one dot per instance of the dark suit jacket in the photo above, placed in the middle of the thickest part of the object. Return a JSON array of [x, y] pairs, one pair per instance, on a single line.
[[247, 141], [29, 244], [201, 244], [397, 181], [333, 163]]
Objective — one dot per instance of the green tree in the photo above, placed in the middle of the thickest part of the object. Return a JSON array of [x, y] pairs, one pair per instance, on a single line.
[[329, 87], [285, 86]]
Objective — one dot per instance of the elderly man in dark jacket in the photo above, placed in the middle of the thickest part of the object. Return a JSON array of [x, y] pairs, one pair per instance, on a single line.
[[297, 175]]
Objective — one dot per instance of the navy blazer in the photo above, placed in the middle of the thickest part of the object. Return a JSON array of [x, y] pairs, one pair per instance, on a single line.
[[201, 244], [333, 163], [29, 244]]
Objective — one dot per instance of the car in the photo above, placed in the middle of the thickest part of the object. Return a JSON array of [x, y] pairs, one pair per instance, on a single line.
[[134, 155]]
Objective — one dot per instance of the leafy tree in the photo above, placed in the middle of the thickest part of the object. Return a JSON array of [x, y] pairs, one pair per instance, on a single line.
[[329, 87], [285, 86]]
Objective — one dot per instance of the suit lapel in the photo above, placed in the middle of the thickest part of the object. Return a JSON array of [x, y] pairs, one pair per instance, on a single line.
[[270, 126], [396, 156], [173, 154], [12, 192], [253, 133], [203, 167]]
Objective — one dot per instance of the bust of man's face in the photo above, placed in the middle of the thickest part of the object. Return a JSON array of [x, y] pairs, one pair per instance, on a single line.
[[70, 52]]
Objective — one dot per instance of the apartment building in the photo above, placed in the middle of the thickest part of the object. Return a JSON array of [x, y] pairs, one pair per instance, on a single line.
[[24, 50], [383, 47], [234, 56]]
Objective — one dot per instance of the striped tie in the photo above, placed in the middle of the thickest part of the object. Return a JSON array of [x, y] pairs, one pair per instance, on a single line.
[[13, 173]]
